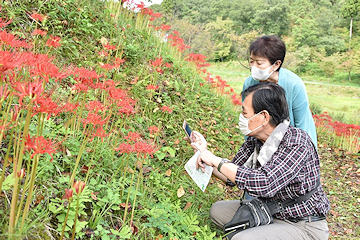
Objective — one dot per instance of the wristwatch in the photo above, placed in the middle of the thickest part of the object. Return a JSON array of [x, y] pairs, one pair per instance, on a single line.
[[223, 160]]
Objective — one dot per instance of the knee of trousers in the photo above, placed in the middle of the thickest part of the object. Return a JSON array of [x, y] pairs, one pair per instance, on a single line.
[[215, 213]]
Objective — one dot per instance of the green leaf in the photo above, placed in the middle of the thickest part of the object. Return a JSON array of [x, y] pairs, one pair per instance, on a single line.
[[8, 182]]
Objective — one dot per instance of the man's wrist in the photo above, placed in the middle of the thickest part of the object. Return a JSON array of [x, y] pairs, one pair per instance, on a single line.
[[222, 162]]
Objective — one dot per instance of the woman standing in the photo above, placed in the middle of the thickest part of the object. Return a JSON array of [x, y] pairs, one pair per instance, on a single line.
[[267, 55]]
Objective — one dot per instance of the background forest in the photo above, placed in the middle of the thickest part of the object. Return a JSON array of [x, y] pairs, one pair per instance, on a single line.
[[321, 36]]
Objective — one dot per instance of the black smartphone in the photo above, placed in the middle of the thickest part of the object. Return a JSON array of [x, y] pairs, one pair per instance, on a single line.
[[187, 129]]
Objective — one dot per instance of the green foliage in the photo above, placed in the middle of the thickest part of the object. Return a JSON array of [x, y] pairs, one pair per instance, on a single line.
[[174, 223]]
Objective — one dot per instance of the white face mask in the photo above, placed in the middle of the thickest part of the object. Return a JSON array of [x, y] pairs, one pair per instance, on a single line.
[[244, 124], [261, 74]]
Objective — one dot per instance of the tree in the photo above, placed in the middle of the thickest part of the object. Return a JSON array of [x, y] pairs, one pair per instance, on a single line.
[[221, 32], [349, 10]]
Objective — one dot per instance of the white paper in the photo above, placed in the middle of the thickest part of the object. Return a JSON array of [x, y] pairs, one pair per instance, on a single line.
[[200, 178]]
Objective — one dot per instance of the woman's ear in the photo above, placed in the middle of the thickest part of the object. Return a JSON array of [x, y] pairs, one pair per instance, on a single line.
[[277, 64]]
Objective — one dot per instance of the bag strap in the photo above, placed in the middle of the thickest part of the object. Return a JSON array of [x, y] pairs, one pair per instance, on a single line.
[[279, 206]]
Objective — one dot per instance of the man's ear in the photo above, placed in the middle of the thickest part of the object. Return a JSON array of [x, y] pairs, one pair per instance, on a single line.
[[267, 117]]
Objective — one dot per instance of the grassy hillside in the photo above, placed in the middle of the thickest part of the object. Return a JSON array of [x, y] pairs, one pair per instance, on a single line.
[[93, 97]]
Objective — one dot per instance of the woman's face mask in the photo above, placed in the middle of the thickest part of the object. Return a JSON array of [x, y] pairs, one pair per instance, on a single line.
[[261, 74], [244, 124]]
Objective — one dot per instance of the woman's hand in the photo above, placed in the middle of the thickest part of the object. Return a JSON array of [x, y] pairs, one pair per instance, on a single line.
[[198, 141], [207, 157]]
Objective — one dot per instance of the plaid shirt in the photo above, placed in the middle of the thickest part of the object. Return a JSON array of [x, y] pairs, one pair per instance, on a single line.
[[292, 171]]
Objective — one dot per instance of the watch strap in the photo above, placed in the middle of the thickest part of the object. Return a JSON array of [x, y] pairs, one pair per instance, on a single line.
[[223, 160]]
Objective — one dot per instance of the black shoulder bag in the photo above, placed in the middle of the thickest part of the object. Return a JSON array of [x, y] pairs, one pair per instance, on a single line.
[[258, 212]]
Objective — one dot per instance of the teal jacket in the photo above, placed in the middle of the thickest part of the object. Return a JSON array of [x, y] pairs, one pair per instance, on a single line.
[[297, 100]]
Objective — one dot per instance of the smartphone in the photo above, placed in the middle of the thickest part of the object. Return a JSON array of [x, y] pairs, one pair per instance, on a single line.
[[187, 129]]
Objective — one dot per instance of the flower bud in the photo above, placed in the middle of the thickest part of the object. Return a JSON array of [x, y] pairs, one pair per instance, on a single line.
[[79, 186], [21, 173], [68, 194]]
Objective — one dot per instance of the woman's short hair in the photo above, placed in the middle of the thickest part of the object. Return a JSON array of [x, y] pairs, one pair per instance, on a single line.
[[270, 97], [270, 47]]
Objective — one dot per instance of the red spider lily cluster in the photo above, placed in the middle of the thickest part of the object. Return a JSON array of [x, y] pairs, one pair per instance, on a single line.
[[158, 63], [166, 109], [349, 132], [135, 144], [177, 42]]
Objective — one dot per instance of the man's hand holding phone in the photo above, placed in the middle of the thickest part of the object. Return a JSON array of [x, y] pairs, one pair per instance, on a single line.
[[197, 140]]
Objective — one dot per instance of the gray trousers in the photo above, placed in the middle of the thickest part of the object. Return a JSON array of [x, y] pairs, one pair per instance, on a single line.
[[223, 211]]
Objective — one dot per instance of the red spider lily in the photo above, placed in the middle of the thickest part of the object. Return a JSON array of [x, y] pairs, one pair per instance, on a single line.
[[39, 145], [176, 33], [3, 23], [80, 87], [152, 87], [46, 70], [94, 119], [37, 16], [168, 65], [4, 126], [117, 94], [106, 66], [118, 62], [198, 59], [143, 149], [147, 11], [28, 89], [68, 194], [126, 107], [4, 92], [103, 54], [21, 173], [178, 42], [165, 27], [10, 61], [166, 109], [95, 106], [70, 107], [141, 5], [45, 105], [100, 132], [15, 112], [132, 136], [236, 100], [124, 148], [10, 39], [110, 47], [158, 62], [159, 70], [105, 85], [39, 32], [79, 187], [156, 15], [153, 129], [201, 84], [53, 41], [83, 73]]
